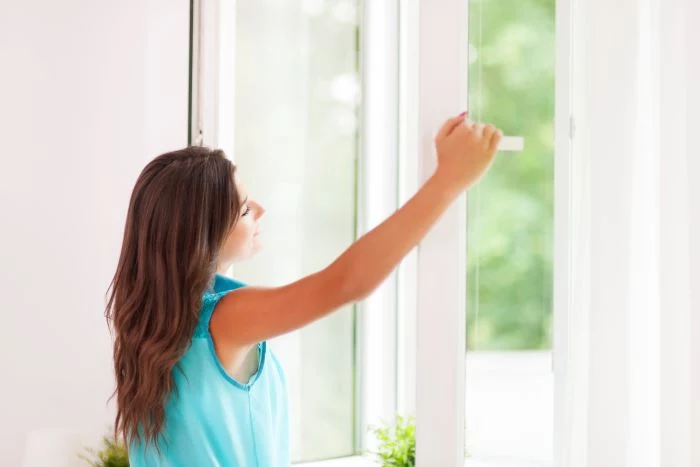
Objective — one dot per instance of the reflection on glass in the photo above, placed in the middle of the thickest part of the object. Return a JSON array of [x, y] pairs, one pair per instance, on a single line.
[[510, 243], [297, 97]]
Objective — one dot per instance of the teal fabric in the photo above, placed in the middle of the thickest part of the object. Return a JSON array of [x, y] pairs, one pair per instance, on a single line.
[[212, 419]]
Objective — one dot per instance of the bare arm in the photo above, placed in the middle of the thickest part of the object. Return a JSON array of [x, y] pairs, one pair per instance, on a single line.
[[253, 314]]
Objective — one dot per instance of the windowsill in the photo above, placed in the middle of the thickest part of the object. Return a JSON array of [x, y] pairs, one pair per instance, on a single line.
[[474, 462], [354, 461], [363, 461]]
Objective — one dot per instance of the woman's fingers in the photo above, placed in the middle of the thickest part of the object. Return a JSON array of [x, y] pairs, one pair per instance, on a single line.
[[449, 126], [495, 139], [488, 132]]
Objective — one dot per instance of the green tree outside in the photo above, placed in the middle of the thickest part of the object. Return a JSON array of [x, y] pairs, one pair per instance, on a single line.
[[510, 230]]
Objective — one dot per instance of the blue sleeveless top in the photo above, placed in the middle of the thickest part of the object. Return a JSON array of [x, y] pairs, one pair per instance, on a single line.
[[212, 419]]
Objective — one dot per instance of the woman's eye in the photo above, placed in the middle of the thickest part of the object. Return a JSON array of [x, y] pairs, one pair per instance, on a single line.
[[247, 211]]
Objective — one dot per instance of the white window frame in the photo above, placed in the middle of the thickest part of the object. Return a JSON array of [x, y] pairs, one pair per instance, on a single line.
[[442, 30], [422, 346], [564, 126], [379, 162]]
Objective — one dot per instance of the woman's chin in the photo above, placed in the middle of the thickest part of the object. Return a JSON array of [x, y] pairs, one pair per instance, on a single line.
[[257, 248]]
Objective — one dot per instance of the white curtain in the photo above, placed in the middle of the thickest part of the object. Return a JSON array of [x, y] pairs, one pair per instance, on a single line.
[[633, 354]]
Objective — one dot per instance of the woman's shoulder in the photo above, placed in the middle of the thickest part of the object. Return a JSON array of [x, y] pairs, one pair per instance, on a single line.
[[220, 287]]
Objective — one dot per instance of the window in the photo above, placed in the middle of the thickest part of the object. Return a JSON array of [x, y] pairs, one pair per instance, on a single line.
[[509, 380], [288, 95], [495, 252], [297, 96], [329, 108]]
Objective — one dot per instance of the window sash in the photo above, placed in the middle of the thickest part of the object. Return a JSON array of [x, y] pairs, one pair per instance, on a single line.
[[405, 101], [442, 30]]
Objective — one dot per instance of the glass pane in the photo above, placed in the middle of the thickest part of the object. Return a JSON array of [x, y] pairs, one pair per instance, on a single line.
[[296, 149], [510, 242]]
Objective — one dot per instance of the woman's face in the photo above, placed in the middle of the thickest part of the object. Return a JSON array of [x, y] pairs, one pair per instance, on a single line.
[[243, 242]]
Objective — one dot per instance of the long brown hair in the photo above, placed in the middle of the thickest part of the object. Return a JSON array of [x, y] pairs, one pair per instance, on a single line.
[[182, 208]]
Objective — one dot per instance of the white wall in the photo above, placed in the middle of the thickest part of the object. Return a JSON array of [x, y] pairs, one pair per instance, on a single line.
[[89, 92]]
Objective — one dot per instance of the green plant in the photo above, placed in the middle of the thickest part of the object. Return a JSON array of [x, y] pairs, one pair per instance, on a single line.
[[397, 443], [112, 454]]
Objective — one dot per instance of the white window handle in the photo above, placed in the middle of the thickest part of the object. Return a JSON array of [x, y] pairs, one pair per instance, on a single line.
[[512, 144]]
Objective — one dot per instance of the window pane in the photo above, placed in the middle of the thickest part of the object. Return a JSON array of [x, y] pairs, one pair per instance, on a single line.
[[509, 380], [296, 148]]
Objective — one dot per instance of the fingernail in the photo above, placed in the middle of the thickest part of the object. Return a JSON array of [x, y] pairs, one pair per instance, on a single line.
[[463, 114]]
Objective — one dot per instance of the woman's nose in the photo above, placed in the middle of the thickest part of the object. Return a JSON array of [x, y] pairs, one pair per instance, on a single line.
[[259, 211]]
